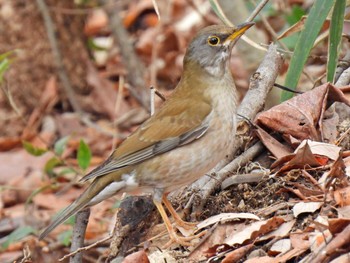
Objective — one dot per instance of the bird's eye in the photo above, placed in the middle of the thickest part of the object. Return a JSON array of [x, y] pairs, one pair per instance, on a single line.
[[213, 40]]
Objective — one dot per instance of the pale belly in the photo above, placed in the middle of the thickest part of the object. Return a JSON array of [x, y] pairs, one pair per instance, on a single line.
[[185, 164]]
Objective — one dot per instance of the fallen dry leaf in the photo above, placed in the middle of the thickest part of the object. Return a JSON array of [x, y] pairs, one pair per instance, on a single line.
[[265, 259], [102, 94], [334, 246], [252, 231], [303, 158], [337, 225], [280, 232], [96, 21], [344, 212], [224, 217], [318, 240], [281, 246], [15, 164], [342, 196], [335, 174], [8, 143], [237, 254], [275, 147], [301, 117], [137, 257], [297, 27], [47, 100], [303, 207], [326, 149], [345, 258]]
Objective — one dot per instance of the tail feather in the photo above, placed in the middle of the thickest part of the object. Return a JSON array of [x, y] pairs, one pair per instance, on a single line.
[[100, 189], [70, 210]]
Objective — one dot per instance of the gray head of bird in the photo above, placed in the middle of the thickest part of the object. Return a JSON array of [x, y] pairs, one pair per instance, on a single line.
[[210, 49]]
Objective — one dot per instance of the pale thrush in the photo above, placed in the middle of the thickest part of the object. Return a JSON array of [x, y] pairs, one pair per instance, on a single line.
[[186, 138]]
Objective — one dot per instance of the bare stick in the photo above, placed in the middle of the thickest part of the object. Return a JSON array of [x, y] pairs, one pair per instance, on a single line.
[[257, 10], [78, 237], [118, 103], [62, 73], [136, 70], [61, 70], [152, 99], [85, 248], [334, 246], [215, 181]]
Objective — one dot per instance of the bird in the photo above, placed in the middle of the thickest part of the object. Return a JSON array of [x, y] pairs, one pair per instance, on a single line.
[[188, 136]]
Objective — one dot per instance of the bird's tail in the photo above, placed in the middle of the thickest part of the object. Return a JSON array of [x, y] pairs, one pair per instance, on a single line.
[[100, 189]]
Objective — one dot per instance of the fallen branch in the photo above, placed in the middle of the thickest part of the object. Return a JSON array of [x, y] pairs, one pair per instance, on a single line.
[[78, 237], [334, 246], [85, 248]]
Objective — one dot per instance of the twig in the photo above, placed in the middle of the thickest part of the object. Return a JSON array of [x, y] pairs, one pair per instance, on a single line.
[[342, 67], [11, 101], [86, 248], [267, 24], [61, 70], [334, 246], [152, 99], [62, 73], [154, 92], [220, 176], [135, 68], [261, 83], [343, 136], [118, 103], [257, 10], [226, 21], [80, 11], [159, 94], [78, 237]]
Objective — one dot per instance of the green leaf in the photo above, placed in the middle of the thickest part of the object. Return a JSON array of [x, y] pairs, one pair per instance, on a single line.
[[35, 192], [295, 15], [335, 34], [313, 24], [50, 164], [67, 171], [7, 55], [30, 148], [116, 204], [60, 145], [93, 46], [84, 155], [4, 65], [70, 221], [5, 61], [65, 237], [17, 235]]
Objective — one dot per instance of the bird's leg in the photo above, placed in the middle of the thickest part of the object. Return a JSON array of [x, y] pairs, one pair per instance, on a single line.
[[175, 238], [178, 220]]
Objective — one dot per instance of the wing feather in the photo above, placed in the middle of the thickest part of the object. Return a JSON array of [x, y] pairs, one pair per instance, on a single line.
[[163, 132]]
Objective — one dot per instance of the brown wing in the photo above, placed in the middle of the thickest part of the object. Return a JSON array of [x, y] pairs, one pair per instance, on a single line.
[[177, 123]]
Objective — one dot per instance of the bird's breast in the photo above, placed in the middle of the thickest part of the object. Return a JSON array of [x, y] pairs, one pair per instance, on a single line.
[[187, 163]]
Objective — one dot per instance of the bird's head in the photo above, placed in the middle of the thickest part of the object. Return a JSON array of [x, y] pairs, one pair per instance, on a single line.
[[210, 49]]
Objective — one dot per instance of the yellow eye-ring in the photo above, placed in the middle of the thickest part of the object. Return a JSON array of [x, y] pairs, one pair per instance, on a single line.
[[213, 40]]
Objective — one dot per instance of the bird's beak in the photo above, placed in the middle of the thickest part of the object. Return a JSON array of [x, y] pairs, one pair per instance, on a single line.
[[238, 32]]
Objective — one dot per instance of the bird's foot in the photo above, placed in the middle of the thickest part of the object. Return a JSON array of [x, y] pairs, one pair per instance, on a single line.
[[186, 225], [181, 240]]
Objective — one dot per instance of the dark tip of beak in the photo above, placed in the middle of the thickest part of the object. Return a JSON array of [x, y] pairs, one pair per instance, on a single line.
[[238, 31], [245, 26]]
